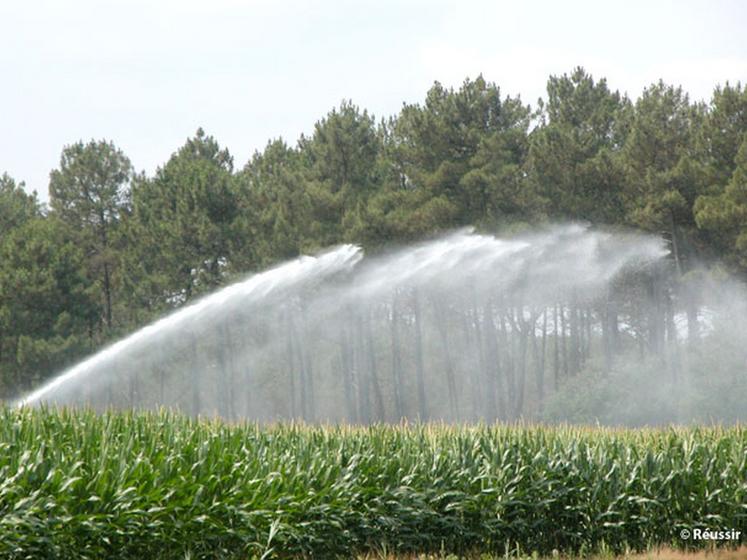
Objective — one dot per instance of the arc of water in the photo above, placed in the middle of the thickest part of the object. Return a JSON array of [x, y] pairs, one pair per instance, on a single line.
[[256, 286]]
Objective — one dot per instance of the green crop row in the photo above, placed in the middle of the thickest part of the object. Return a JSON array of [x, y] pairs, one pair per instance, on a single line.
[[77, 484]]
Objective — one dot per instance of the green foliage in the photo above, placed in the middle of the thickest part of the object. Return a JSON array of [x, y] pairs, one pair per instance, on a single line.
[[637, 394], [465, 156], [82, 485], [276, 208], [46, 302], [180, 230], [88, 188], [16, 206], [89, 193], [662, 185], [572, 159], [341, 161], [464, 147], [724, 215], [723, 132]]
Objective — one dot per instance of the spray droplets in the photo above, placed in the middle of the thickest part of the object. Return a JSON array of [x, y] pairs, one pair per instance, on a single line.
[[464, 327]]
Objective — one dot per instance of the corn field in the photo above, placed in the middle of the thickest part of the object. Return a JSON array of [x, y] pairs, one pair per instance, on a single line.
[[77, 484]]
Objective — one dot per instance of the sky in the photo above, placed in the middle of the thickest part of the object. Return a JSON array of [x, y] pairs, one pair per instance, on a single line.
[[145, 74]]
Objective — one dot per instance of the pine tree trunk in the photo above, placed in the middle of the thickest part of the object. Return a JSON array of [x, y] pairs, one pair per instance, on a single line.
[[308, 365], [346, 365], [606, 336], [419, 366], [522, 365], [492, 366], [161, 386], [364, 404], [224, 387], [195, 377], [108, 295], [556, 348], [538, 356], [563, 338], [474, 361], [574, 357], [507, 341], [396, 363], [672, 345], [448, 365], [291, 363], [373, 372], [134, 389]]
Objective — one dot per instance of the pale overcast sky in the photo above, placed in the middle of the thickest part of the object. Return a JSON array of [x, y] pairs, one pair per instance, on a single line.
[[147, 73]]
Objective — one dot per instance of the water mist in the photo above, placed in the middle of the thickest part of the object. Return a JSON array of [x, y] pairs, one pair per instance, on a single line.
[[465, 327]]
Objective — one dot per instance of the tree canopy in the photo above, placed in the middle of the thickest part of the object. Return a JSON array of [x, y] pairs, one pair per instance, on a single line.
[[115, 247]]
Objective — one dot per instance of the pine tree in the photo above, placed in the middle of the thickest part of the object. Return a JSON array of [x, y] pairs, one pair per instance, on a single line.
[[89, 192]]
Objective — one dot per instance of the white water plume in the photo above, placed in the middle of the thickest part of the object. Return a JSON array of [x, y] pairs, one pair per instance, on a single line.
[[464, 327], [260, 286]]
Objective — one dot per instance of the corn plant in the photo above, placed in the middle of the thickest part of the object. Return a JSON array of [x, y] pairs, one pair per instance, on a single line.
[[80, 484]]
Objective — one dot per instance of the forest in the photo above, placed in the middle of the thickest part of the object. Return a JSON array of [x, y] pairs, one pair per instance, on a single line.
[[115, 249]]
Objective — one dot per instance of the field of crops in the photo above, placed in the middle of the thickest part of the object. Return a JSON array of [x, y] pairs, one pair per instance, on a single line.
[[82, 485]]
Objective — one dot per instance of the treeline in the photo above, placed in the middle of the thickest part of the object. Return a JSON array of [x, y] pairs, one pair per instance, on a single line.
[[115, 248]]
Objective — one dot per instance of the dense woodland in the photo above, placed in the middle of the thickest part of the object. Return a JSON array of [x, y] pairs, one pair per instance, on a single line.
[[115, 248]]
